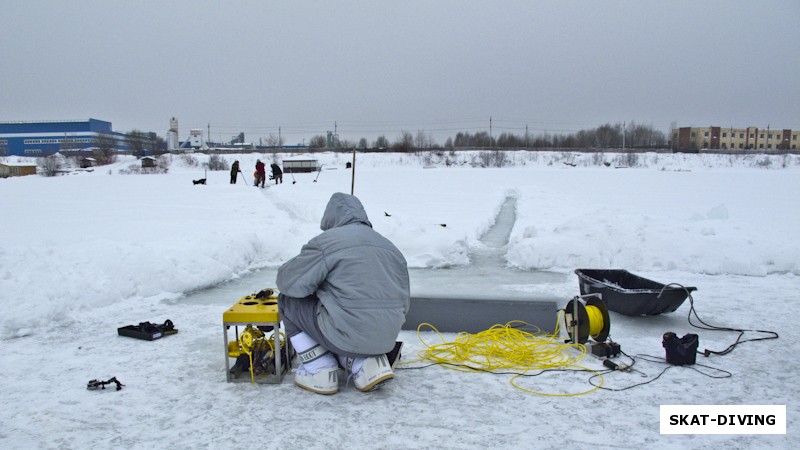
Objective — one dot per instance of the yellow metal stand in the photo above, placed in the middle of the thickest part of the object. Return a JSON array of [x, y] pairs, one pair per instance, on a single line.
[[256, 312]]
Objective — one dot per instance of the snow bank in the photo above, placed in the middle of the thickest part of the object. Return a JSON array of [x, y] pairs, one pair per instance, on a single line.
[[90, 239]]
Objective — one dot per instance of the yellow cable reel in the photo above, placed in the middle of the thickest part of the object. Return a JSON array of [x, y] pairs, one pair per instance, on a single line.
[[596, 322], [249, 337], [586, 316]]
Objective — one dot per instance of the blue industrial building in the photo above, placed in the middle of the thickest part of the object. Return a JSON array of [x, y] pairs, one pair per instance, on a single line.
[[67, 137]]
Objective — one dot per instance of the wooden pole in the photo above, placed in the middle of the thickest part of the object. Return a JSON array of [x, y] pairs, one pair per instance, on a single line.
[[353, 174]]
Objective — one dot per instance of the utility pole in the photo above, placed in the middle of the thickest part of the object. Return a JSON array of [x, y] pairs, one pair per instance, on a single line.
[[280, 141], [491, 144], [526, 136], [623, 137]]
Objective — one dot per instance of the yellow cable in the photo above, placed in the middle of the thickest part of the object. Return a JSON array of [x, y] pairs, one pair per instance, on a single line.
[[595, 320], [252, 372], [252, 340], [505, 348]]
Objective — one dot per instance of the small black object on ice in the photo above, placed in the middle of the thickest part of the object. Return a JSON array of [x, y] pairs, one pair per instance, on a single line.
[[93, 385]]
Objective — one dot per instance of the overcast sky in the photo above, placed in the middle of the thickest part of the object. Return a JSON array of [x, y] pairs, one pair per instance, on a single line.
[[379, 67]]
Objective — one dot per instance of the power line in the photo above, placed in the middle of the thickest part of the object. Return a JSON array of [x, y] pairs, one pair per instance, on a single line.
[[389, 127]]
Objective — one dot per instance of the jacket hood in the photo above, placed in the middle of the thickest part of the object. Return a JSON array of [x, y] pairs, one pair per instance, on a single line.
[[343, 209]]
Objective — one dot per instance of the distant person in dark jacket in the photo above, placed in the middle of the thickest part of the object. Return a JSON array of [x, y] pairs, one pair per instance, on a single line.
[[344, 296], [277, 174], [235, 172], [262, 174]]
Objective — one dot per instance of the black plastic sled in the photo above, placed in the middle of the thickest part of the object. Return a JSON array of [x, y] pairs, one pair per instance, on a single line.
[[630, 294]]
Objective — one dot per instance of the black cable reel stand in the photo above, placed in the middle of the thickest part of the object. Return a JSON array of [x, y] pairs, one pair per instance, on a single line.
[[577, 320], [587, 316]]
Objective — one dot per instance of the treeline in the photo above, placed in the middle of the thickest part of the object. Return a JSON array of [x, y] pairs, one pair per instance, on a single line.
[[630, 135]]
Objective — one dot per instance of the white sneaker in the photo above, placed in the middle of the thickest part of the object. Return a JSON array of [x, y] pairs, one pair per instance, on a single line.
[[374, 372], [324, 381]]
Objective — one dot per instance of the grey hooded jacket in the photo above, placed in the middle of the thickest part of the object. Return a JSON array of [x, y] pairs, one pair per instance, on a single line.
[[359, 276]]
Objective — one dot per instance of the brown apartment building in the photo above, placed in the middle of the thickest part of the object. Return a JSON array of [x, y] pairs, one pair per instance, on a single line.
[[693, 139]]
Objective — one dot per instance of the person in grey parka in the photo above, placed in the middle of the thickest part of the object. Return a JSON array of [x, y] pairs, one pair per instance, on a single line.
[[345, 295]]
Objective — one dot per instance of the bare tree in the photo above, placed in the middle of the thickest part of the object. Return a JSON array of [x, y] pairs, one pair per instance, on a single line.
[[362, 143], [584, 139], [317, 141], [274, 141], [382, 142], [50, 165], [138, 142], [106, 149], [479, 139], [430, 142], [159, 144], [346, 143], [216, 162], [608, 136], [509, 140], [404, 142], [673, 128], [419, 139]]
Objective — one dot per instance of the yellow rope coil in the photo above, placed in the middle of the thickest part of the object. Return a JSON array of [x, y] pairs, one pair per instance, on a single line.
[[505, 348], [595, 320]]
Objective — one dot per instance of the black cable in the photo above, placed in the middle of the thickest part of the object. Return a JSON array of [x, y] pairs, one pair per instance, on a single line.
[[627, 387], [655, 359], [709, 327]]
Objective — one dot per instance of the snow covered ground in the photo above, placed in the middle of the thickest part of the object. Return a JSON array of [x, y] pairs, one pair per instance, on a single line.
[[83, 254]]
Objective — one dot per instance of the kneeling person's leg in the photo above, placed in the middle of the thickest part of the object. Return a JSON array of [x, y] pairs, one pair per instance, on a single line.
[[318, 366]]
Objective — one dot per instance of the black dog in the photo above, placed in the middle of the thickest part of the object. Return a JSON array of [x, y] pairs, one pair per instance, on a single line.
[[200, 181]]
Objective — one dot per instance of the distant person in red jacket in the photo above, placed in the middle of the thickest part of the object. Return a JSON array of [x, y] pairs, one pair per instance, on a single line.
[[262, 174]]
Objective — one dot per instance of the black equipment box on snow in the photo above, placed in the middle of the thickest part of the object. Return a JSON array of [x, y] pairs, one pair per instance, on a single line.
[[147, 331]]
